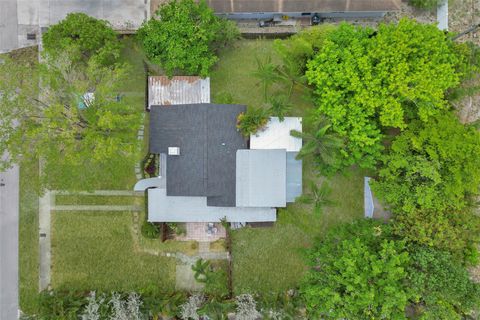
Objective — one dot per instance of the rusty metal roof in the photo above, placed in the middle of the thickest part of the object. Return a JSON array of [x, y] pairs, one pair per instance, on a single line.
[[164, 91], [320, 6]]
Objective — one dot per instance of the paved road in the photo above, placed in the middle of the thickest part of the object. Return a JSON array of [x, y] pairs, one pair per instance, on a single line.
[[9, 214]]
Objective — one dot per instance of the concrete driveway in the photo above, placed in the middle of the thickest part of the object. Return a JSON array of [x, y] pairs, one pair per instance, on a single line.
[[9, 216], [122, 14], [8, 25]]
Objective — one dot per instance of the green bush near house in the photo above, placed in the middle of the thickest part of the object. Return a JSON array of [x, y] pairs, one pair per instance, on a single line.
[[82, 37], [150, 230], [184, 37]]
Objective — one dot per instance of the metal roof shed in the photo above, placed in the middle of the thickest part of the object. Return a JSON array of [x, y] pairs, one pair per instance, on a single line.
[[164, 91]]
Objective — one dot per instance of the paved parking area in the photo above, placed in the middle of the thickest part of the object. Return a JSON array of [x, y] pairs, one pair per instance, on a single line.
[[8, 25], [21, 17]]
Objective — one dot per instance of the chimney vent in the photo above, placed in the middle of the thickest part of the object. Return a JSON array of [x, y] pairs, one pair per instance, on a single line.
[[173, 151]]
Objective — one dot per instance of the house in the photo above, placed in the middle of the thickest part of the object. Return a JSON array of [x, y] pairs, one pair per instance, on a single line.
[[277, 9], [208, 171]]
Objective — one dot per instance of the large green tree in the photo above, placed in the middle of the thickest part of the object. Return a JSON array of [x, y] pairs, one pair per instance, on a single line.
[[83, 37], [47, 114], [357, 272], [368, 81], [184, 37], [431, 166], [443, 286]]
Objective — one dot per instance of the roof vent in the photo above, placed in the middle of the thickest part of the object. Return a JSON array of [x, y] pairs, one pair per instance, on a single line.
[[173, 151]]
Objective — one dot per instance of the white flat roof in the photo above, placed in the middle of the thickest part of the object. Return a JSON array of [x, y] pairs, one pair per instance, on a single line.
[[163, 208], [277, 135]]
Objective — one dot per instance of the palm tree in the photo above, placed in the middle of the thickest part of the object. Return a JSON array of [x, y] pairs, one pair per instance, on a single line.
[[279, 107], [320, 145], [318, 197], [267, 73], [288, 73]]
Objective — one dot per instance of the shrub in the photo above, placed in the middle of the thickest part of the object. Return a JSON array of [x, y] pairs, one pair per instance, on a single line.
[[357, 272], [425, 4], [83, 37], [443, 285], [252, 121], [431, 166], [150, 230], [185, 36], [214, 276]]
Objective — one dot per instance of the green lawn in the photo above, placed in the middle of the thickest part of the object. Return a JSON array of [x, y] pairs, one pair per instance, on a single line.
[[269, 260], [96, 251], [233, 74], [28, 237], [95, 200]]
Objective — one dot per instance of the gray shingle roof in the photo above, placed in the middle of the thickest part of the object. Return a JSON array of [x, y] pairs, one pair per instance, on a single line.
[[208, 140]]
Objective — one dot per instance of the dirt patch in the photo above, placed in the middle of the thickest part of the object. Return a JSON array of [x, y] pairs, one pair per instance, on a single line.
[[462, 15]]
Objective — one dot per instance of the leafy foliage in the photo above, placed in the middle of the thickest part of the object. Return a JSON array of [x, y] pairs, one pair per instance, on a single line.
[[443, 285], [366, 81], [83, 37], [279, 107], [320, 145], [214, 276], [185, 36], [60, 124], [425, 4], [431, 166], [454, 231], [252, 121], [267, 73], [357, 272], [318, 196], [150, 230], [299, 48]]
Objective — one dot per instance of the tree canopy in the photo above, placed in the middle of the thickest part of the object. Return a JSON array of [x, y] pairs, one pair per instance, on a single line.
[[357, 273], [76, 123], [431, 166], [442, 285], [368, 81], [83, 37], [362, 270], [185, 36]]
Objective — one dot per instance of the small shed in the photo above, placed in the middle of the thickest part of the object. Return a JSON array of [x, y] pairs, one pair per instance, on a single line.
[[165, 91]]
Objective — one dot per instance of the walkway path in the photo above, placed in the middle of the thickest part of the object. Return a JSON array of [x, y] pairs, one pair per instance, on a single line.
[[9, 216], [94, 208], [45, 204]]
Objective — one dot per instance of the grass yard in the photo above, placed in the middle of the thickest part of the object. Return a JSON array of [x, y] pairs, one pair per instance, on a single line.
[[269, 260], [28, 238], [233, 74], [96, 251]]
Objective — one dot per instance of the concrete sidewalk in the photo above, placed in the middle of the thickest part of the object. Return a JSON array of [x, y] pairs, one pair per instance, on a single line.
[[9, 217]]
